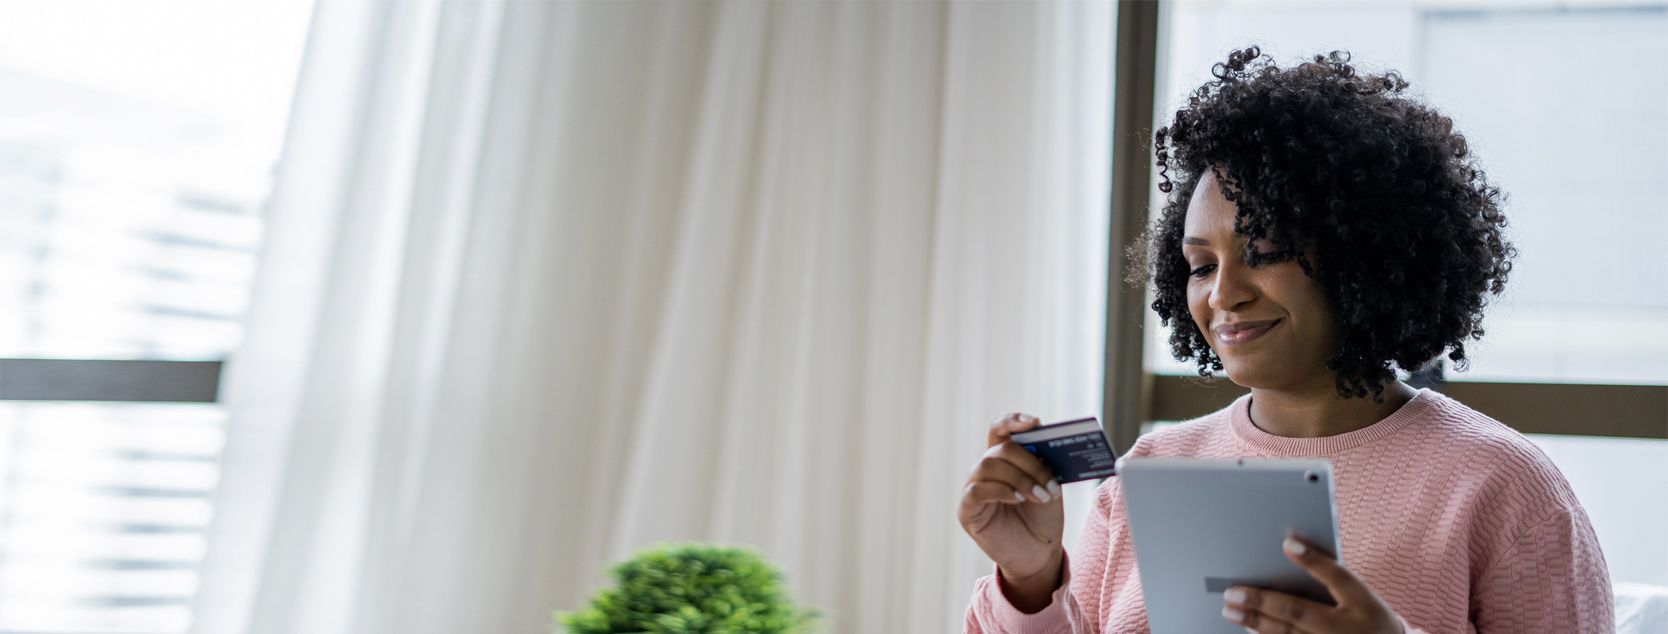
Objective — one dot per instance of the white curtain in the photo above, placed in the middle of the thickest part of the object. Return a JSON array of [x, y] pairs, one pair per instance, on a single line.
[[546, 283]]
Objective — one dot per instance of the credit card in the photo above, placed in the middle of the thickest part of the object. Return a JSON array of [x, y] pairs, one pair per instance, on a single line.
[[1074, 450]]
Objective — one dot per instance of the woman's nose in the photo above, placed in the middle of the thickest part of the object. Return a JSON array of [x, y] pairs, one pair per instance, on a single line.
[[1231, 288]]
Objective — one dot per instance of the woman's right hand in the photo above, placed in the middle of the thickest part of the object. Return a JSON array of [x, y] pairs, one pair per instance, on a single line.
[[1011, 507]]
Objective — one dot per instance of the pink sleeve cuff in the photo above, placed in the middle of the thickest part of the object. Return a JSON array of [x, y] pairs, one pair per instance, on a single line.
[[1050, 620]]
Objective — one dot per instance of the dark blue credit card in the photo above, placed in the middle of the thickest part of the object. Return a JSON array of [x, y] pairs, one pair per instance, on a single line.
[[1074, 450]]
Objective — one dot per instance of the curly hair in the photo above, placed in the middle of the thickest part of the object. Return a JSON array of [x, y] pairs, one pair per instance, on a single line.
[[1406, 232]]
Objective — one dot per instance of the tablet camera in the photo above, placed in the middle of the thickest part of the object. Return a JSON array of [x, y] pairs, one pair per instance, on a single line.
[[1311, 476]]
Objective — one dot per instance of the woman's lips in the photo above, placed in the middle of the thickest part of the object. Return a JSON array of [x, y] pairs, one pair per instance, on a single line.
[[1234, 335]]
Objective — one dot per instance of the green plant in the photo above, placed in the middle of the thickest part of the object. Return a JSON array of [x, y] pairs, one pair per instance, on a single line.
[[691, 588]]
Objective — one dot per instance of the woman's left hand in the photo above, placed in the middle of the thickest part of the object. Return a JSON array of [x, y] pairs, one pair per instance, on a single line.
[[1268, 611]]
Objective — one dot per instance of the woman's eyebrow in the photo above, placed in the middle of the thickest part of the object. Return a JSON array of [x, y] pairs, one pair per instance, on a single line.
[[1199, 241]]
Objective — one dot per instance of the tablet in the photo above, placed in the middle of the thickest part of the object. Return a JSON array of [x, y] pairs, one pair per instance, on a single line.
[[1201, 526]]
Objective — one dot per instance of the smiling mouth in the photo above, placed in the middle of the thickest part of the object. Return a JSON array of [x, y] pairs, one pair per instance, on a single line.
[[1233, 336]]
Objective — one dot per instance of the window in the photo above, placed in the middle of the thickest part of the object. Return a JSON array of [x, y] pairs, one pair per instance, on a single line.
[[136, 144], [1578, 138]]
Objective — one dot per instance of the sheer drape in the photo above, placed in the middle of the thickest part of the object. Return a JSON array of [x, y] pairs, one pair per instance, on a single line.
[[549, 282]]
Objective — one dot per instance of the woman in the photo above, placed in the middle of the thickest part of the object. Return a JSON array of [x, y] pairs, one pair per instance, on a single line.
[[1327, 230]]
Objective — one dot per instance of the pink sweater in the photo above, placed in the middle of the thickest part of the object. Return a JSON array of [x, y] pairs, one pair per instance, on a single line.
[[1459, 523]]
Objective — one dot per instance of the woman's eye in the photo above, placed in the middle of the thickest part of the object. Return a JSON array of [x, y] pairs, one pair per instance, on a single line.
[[1270, 257], [1202, 271]]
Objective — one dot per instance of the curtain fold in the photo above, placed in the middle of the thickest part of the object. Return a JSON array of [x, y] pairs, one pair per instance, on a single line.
[[547, 283]]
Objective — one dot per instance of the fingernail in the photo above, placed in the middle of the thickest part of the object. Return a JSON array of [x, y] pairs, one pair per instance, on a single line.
[[1233, 615], [1019, 497], [1037, 490], [1054, 488], [1295, 547], [1234, 595]]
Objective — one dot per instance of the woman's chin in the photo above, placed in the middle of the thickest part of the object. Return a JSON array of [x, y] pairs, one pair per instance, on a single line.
[[1271, 376], [1250, 375]]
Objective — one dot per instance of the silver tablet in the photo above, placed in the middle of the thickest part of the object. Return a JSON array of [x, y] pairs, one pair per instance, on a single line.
[[1201, 526]]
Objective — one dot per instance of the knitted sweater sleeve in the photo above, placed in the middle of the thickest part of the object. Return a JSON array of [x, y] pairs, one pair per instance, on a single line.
[[1075, 608], [1551, 578]]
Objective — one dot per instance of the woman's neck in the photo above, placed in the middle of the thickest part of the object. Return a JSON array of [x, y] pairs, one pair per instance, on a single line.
[[1319, 410]]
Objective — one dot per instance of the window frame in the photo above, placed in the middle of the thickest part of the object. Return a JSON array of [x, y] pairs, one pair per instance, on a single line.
[[110, 380]]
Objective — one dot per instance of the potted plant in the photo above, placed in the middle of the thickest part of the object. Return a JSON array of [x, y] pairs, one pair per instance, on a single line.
[[691, 588]]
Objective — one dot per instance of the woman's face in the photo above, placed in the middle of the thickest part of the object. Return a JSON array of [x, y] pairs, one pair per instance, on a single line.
[[1271, 324]]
